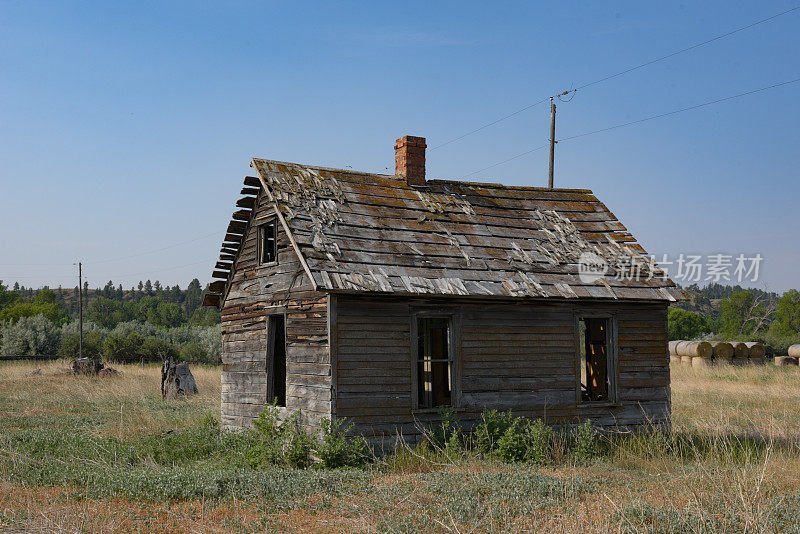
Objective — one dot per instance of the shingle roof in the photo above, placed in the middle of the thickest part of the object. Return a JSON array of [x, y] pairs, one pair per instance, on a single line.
[[366, 232]]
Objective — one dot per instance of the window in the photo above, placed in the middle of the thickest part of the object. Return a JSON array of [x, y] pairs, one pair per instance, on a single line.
[[276, 360], [434, 366], [597, 359], [268, 243]]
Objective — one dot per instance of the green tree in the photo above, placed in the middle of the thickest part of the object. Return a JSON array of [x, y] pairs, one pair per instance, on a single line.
[[106, 312], [194, 297], [205, 317], [744, 314], [108, 290], [43, 303], [787, 314], [8, 297], [684, 324]]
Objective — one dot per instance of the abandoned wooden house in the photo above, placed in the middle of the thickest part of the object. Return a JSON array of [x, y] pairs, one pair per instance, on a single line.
[[383, 298]]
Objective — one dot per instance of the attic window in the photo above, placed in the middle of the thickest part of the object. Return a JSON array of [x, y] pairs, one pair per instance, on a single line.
[[597, 359], [268, 243]]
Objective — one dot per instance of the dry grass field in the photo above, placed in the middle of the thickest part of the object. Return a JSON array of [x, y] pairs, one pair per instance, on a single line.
[[107, 455]]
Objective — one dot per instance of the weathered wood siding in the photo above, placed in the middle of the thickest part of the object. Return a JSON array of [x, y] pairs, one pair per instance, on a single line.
[[256, 292], [519, 356]]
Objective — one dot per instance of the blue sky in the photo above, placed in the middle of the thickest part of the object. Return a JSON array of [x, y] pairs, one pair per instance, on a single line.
[[126, 128]]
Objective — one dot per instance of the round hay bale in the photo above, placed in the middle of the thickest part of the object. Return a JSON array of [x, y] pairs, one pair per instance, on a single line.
[[674, 359], [755, 350], [794, 351], [702, 349], [686, 360], [757, 361], [739, 361], [722, 350], [783, 361], [672, 346], [739, 349], [699, 361]]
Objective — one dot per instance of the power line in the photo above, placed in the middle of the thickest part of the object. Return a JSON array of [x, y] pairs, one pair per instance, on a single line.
[[111, 260], [505, 160], [150, 271], [688, 48], [490, 124], [660, 115], [155, 250], [620, 73]]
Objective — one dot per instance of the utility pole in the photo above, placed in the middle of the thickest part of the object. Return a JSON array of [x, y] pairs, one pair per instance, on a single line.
[[80, 310], [552, 139]]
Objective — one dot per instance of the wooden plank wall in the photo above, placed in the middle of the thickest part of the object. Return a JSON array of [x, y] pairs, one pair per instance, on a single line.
[[519, 356], [255, 293]]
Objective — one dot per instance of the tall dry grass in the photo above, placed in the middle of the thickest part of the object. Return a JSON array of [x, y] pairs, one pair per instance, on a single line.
[[124, 405]]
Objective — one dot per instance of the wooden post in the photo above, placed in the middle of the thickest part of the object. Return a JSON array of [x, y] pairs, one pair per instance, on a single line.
[[80, 311], [552, 139]]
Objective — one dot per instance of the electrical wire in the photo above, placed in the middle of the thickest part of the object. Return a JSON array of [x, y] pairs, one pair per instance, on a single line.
[[174, 245], [620, 73], [652, 117], [674, 112], [688, 48], [490, 124], [112, 277], [505, 161]]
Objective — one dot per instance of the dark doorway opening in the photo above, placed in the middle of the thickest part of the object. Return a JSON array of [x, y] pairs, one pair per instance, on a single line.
[[276, 359]]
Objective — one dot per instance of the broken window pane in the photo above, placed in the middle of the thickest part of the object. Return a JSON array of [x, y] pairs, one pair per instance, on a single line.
[[434, 365], [268, 238], [593, 348]]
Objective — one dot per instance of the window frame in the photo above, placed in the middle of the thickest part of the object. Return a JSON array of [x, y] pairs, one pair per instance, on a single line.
[[612, 358], [454, 356], [261, 238], [270, 363]]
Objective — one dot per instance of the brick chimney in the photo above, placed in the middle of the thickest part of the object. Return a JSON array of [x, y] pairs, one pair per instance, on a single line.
[[409, 159]]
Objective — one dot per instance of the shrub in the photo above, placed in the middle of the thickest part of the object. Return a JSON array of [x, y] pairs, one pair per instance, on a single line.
[[298, 444], [193, 351], [92, 345], [269, 435], [124, 348], [447, 432], [337, 449], [157, 350], [29, 336], [587, 443], [492, 427], [211, 338], [539, 442], [511, 447]]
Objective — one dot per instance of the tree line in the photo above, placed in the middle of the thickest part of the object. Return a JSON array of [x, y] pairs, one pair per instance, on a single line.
[[145, 323]]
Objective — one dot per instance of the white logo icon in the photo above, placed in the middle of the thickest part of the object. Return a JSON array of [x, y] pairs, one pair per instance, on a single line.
[[591, 267]]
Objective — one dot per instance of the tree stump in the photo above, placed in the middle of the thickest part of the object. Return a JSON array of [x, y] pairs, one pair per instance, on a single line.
[[86, 366], [176, 379]]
